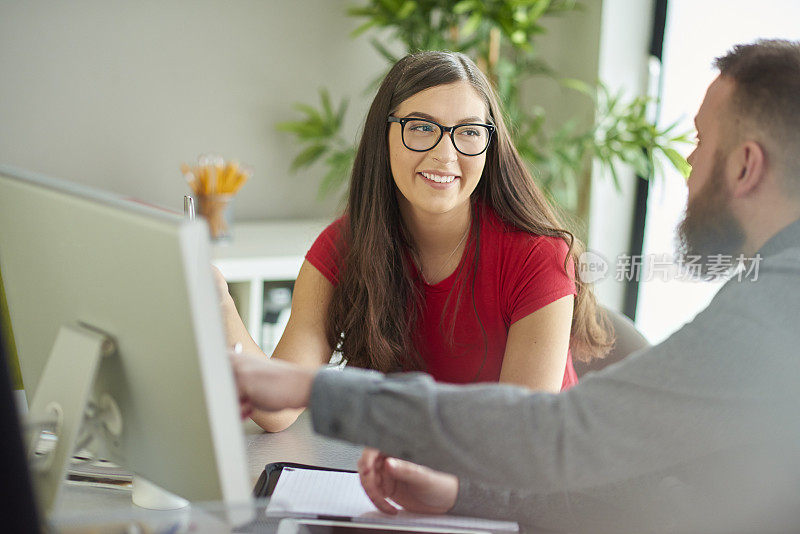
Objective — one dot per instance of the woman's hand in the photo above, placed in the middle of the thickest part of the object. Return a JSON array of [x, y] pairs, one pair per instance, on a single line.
[[270, 385], [416, 488]]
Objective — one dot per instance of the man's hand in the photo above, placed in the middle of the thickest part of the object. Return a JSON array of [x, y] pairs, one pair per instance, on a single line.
[[416, 488], [269, 384]]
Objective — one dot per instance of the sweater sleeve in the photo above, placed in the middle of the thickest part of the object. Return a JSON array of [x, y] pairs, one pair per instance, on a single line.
[[652, 414]]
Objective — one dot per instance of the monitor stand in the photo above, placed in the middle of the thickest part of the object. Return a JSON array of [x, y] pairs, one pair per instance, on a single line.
[[148, 495], [61, 406]]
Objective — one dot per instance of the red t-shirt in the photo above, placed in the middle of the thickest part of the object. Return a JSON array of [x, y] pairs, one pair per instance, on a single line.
[[517, 273]]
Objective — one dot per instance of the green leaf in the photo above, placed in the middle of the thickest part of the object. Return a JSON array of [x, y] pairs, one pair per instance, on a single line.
[[615, 177], [308, 156], [359, 11], [539, 9], [303, 130], [382, 50], [465, 6], [339, 165], [518, 37], [325, 98], [288, 126], [678, 161], [408, 7], [340, 113], [577, 85], [471, 25], [308, 110], [363, 28]]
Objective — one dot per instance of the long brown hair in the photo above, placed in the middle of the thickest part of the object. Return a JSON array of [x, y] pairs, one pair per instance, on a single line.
[[377, 302]]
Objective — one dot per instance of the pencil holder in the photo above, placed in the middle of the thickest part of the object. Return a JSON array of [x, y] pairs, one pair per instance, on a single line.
[[214, 183], [216, 209]]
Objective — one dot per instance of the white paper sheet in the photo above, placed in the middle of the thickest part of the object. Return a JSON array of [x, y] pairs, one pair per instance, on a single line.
[[312, 493]]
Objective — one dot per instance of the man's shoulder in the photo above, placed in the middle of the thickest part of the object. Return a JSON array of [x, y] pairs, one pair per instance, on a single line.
[[765, 293], [787, 261], [776, 274]]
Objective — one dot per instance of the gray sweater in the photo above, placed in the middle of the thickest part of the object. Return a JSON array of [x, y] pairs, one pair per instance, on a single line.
[[700, 433]]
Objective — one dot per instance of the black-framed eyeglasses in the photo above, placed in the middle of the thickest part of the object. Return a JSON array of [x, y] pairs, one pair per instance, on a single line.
[[421, 135]]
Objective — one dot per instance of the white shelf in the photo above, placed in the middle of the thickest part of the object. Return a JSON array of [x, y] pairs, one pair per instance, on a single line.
[[261, 252]]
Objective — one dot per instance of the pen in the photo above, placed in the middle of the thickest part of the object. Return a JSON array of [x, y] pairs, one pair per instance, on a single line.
[[188, 207]]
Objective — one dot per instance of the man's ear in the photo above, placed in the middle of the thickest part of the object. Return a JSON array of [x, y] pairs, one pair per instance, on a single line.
[[747, 167]]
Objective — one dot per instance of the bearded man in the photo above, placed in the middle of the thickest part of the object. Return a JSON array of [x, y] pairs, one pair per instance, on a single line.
[[698, 434]]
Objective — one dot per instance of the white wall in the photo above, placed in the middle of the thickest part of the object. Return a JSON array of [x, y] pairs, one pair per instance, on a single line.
[[118, 94]]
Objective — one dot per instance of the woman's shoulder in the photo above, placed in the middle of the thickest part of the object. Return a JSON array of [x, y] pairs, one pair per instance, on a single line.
[[333, 234], [506, 234], [331, 241], [336, 226], [328, 250]]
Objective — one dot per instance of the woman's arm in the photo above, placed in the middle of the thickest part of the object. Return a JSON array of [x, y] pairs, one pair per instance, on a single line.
[[537, 345], [303, 341]]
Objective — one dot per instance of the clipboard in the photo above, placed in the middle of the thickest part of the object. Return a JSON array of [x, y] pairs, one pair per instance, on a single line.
[[353, 514], [266, 482]]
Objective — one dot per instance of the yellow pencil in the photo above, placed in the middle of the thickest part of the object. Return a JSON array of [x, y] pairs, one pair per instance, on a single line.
[[214, 176]]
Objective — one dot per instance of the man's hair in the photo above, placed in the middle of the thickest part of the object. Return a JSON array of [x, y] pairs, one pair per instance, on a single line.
[[766, 97]]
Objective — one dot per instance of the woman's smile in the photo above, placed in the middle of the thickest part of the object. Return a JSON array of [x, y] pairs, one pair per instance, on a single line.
[[439, 180]]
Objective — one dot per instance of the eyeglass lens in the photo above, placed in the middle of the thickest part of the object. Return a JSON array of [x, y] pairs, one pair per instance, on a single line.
[[422, 135]]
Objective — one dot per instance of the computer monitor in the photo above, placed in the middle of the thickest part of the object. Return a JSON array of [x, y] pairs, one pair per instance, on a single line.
[[17, 502], [113, 306]]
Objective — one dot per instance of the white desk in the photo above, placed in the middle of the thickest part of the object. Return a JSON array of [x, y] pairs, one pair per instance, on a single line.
[[299, 444], [263, 252]]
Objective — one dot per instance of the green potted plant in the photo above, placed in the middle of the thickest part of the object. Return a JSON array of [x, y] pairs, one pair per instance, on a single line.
[[500, 35]]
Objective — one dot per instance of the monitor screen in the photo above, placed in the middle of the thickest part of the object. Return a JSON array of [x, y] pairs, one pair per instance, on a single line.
[[78, 261]]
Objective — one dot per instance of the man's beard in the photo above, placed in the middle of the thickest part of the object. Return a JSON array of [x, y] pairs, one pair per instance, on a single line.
[[709, 227]]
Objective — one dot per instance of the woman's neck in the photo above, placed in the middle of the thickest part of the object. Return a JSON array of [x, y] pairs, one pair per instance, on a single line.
[[436, 234]]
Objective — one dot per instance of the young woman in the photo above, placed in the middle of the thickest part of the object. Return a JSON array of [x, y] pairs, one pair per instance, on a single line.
[[448, 258]]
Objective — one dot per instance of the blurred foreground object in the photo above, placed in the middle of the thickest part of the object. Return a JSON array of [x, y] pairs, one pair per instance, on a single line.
[[214, 182]]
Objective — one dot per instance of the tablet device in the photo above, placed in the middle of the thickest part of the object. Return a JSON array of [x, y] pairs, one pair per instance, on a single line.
[[269, 476]]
